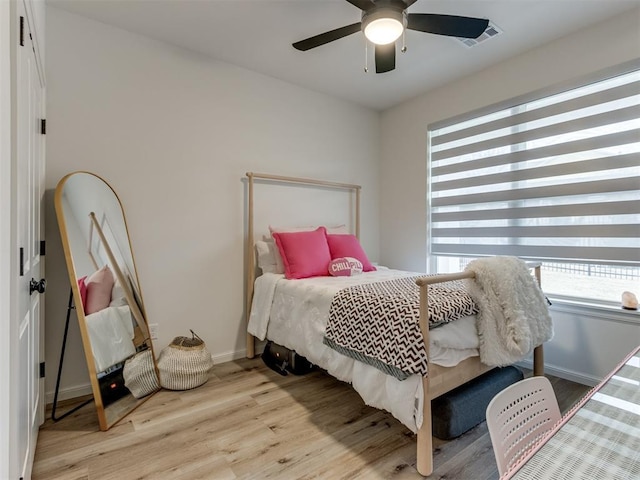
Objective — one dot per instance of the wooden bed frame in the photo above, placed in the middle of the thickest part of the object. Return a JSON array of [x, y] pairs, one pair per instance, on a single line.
[[440, 379]]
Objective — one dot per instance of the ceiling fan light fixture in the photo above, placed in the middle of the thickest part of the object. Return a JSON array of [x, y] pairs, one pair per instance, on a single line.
[[383, 26]]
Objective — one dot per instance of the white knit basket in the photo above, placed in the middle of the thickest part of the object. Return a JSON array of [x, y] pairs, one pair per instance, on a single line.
[[140, 374], [184, 363]]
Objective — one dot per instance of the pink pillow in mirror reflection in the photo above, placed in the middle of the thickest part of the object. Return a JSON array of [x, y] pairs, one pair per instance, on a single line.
[[83, 291], [99, 286]]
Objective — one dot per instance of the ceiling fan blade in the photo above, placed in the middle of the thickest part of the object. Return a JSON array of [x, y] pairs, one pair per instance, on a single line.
[[452, 25], [326, 37], [385, 57], [362, 4], [408, 3]]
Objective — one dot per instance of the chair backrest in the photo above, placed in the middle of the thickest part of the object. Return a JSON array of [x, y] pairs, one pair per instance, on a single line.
[[520, 415]]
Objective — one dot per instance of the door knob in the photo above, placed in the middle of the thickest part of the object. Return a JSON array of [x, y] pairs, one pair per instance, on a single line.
[[37, 286]]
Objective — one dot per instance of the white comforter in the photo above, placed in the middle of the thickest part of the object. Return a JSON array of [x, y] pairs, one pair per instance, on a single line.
[[111, 336], [294, 313]]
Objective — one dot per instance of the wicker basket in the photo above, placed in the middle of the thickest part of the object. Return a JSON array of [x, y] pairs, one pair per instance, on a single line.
[[140, 374], [184, 363]]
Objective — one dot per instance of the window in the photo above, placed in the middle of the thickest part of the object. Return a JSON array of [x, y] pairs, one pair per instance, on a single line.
[[553, 177]]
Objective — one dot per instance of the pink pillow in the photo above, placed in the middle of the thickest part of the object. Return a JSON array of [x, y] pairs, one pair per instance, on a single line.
[[349, 246], [83, 291], [345, 267], [99, 286], [304, 254]]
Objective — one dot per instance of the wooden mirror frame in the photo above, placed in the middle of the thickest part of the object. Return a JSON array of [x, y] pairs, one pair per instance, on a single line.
[[108, 415]]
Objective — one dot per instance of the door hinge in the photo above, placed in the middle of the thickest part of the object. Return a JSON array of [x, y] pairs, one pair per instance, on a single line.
[[21, 261], [22, 31], [43, 247], [43, 126], [41, 369]]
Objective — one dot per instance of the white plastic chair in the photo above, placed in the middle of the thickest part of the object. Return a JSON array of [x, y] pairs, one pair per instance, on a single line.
[[519, 416]]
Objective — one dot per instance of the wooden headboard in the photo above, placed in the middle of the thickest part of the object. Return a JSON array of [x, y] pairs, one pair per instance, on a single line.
[[250, 256]]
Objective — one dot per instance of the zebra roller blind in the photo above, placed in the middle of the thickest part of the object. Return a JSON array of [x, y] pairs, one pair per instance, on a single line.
[[553, 178]]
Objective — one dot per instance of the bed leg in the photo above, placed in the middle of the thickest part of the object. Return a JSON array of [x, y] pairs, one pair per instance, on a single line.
[[251, 346], [424, 447], [538, 361]]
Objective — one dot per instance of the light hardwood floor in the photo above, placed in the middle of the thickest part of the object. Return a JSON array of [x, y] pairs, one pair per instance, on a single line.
[[247, 422]]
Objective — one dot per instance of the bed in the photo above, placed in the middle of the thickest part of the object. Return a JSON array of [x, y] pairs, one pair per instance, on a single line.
[[294, 313]]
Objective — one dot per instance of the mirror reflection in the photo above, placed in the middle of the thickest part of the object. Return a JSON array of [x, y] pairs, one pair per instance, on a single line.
[[106, 295]]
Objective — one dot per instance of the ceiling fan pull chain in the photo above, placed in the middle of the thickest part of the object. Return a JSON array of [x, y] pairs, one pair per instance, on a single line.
[[404, 41], [366, 56]]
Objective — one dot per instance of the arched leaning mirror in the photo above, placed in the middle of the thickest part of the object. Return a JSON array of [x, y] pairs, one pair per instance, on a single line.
[[106, 295]]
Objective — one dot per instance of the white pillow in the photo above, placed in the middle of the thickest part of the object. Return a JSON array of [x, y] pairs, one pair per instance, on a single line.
[[333, 229], [338, 230], [269, 259], [118, 298]]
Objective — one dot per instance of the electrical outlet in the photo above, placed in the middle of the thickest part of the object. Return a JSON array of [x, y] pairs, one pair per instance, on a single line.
[[153, 331]]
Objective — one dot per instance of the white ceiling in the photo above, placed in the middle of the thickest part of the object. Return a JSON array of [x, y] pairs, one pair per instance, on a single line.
[[257, 35]]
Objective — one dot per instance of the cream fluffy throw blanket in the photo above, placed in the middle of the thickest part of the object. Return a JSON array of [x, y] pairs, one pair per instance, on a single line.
[[513, 316]]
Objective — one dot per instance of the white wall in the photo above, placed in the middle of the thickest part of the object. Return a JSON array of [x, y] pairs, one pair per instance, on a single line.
[[403, 228], [174, 133]]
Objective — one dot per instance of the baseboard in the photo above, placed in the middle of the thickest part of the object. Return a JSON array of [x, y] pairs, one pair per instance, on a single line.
[[82, 390], [69, 393], [570, 375], [229, 356], [237, 354]]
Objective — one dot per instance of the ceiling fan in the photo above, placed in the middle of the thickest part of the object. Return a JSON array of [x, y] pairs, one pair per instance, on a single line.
[[384, 21]]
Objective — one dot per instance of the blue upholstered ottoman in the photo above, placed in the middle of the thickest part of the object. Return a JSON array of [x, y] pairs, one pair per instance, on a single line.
[[464, 407]]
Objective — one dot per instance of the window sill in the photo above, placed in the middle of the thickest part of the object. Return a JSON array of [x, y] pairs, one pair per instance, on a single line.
[[597, 310]]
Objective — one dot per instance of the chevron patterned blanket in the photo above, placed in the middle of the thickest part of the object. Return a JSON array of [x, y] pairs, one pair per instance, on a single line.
[[378, 323]]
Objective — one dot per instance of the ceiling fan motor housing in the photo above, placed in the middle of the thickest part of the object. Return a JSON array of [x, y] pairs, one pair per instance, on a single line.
[[395, 10]]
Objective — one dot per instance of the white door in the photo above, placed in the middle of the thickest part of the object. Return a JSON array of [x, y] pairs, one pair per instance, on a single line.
[[29, 201]]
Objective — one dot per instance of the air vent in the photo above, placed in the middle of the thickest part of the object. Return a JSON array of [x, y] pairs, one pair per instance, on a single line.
[[492, 31]]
